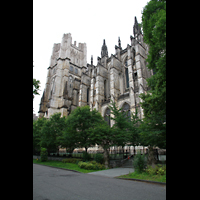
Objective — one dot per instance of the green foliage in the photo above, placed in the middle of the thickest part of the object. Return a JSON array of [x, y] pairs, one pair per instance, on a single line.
[[37, 127], [139, 163], [134, 131], [80, 121], [44, 154], [98, 158], [158, 170], [153, 128], [120, 128], [36, 85], [68, 138], [51, 132], [71, 160], [86, 156], [91, 165]]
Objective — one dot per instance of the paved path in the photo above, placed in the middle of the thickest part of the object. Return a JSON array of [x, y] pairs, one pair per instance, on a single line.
[[113, 172], [125, 169], [58, 184]]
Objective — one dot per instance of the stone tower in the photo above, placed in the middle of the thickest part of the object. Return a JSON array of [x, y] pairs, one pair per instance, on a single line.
[[67, 63]]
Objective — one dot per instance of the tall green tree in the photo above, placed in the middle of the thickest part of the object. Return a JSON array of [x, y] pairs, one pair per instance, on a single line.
[[37, 128], [68, 138], [126, 128], [134, 136], [52, 131], [153, 127], [104, 136], [121, 125], [80, 121]]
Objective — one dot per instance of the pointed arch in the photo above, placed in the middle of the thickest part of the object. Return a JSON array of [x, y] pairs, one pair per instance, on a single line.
[[107, 115], [126, 108]]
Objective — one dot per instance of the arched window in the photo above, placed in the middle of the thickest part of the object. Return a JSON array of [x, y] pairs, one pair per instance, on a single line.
[[88, 95], [126, 73], [126, 108], [127, 78], [77, 99], [107, 116], [105, 90]]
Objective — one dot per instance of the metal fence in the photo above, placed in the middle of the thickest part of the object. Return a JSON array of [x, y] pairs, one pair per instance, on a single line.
[[115, 153]]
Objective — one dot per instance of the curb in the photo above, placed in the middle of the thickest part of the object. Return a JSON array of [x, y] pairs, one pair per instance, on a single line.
[[147, 181], [59, 168]]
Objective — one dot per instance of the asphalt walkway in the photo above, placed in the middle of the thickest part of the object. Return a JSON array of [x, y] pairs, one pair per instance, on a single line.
[[125, 169], [113, 172]]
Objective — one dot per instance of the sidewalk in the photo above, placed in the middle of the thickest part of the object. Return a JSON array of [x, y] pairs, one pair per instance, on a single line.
[[113, 172]]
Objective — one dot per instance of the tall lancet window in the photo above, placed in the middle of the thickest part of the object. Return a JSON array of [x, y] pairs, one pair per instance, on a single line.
[[105, 90], [127, 78], [107, 116], [126, 73], [88, 95]]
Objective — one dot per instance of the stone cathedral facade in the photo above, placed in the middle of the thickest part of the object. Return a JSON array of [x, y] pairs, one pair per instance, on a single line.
[[72, 82]]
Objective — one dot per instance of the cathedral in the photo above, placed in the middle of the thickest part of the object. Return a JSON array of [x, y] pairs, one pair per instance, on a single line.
[[72, 82]]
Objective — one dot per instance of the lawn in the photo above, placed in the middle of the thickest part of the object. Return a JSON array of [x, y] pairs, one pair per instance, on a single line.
[[59, 164], [145, 176]]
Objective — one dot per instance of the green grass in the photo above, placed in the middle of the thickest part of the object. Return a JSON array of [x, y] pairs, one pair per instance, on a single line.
[[145, 176], [59, 164]]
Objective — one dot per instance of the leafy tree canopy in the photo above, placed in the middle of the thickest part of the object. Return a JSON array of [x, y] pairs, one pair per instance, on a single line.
[[153, 126]]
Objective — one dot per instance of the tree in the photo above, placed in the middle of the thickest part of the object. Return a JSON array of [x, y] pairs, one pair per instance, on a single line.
[[103, 135], [36, 86], [37, 127], [134, 136], [68, 138], [80, 121], [153, 127], [121, 127], [51, 131]]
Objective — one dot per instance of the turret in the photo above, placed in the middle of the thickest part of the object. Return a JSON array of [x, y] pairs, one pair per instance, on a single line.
[[104, 50]]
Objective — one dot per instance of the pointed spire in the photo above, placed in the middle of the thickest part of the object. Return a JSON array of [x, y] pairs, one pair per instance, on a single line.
[[91, 59], [136, 28], [104, 51], [119, 43], [136, 20]]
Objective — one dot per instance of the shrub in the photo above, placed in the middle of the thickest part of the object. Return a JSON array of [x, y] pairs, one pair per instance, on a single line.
[[44, 154], [158, 170], [98, 158], [86, 156], [151, 171], [71, 160], [93, 165], [93, 162], [139, 163], [82, 164]]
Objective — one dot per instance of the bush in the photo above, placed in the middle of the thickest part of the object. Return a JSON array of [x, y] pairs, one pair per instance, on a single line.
[[93, 165], [139, 163], [158, 170], [86, 156], [44, 154], [98, 158], [71, 160], [82, 164]]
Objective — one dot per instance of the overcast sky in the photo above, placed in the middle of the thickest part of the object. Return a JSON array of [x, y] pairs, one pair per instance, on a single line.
[[88, 21]]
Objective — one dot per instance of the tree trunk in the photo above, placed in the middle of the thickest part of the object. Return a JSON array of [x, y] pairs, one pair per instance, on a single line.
[[151, 159], [106, 158], [86, 149]]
